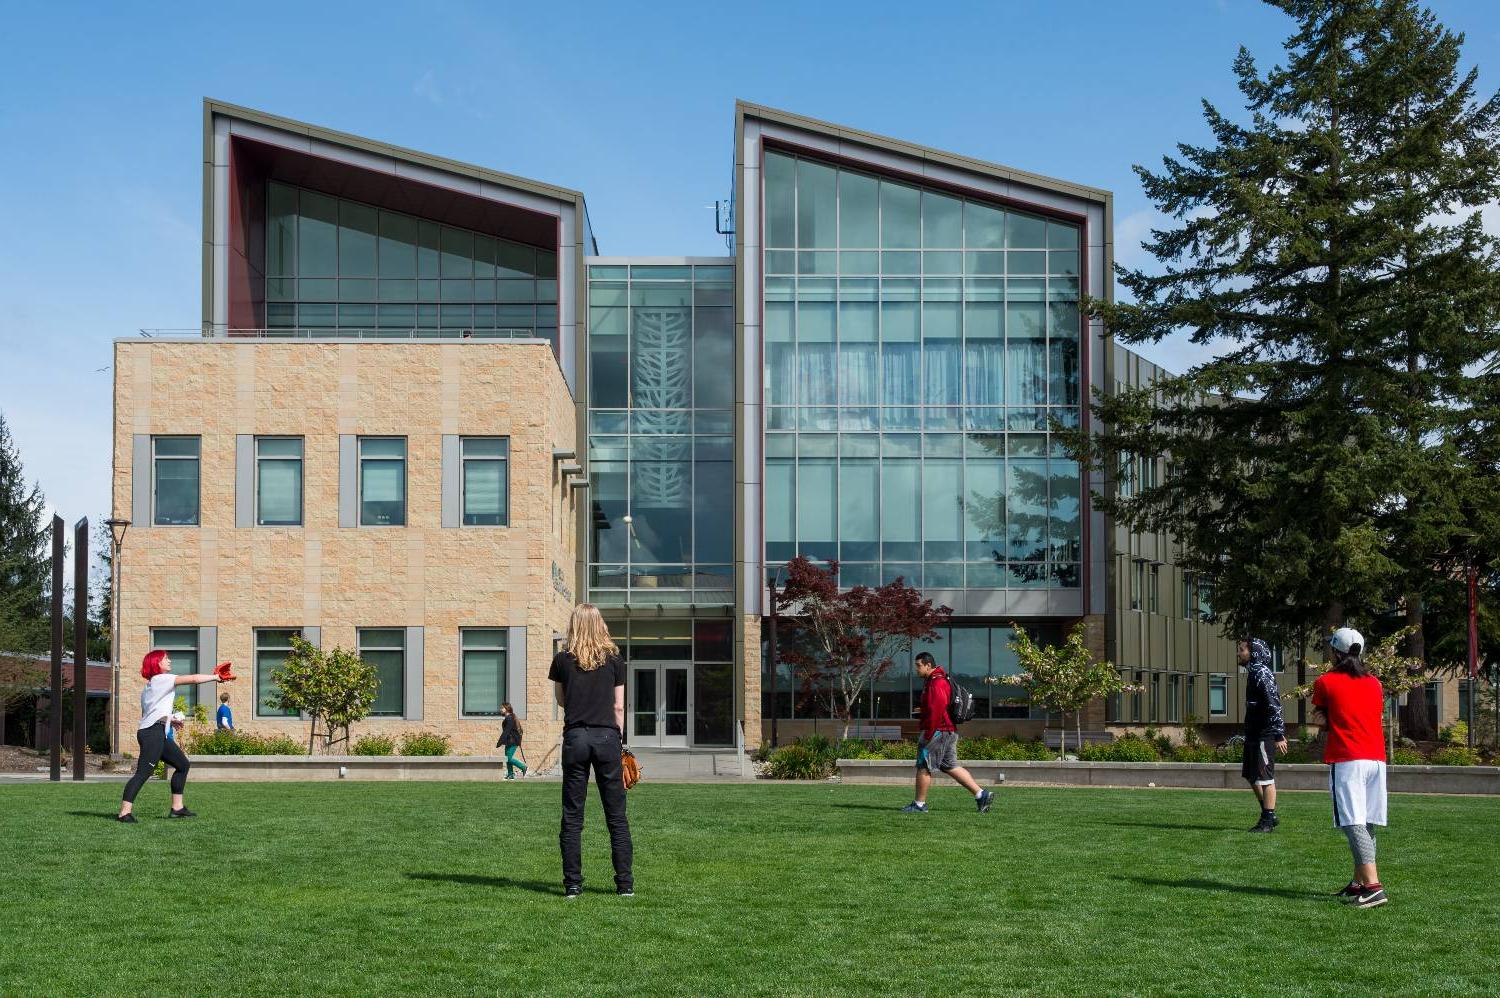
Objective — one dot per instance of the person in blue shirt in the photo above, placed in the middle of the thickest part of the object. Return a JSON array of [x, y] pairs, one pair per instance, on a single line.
[[224, 719]]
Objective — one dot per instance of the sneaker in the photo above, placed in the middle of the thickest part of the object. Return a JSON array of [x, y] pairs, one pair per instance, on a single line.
[[181, 812], [915, 807], [510, 777], [1370, 896], [983, 802], [127, 819], [569, 893], [1349, 891], [1264, 826], [625, 892]]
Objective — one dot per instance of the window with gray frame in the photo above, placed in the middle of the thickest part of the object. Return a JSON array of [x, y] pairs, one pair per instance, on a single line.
[[1174, 699], [278, 481], [1137, 582], [181, 646], [174, 481], [384, 648], [1191, 698], [483, 671], [382, 481], [1218, 695], [486, 481], [1153, 589], [272, 646]]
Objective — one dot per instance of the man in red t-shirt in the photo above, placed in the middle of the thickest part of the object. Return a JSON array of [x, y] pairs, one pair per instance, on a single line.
[[1353, 702], [937, 751]]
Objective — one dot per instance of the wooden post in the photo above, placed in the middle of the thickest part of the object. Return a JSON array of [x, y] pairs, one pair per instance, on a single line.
[[55, 699], [80, 648]]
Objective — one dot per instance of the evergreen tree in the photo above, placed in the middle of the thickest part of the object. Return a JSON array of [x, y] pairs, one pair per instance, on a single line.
[[1330, 247], [24, 562]]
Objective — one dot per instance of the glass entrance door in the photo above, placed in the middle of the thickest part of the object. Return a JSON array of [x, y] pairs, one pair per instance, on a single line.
[[660, 704]]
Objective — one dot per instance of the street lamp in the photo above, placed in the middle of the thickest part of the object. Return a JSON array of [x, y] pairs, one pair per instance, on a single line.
[[117, 530], [771, 653]]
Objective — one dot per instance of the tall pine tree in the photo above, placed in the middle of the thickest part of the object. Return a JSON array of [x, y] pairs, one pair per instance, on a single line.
[[1330, 249], [24, 563]]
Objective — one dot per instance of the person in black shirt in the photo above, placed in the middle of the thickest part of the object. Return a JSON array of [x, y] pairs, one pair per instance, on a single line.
[[510, 739], [1265, 731], [589, 678]]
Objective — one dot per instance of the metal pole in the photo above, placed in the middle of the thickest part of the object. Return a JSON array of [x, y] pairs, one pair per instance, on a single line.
[[1301, 677], [117, 528], [80, 648], [1473, 642], [54, 736], [775, 670]]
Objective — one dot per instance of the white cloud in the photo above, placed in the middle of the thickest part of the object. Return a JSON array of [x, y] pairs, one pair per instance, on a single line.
[[427, 88]]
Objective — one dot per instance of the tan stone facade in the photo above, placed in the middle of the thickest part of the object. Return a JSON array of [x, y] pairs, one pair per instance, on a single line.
[[339, 579]]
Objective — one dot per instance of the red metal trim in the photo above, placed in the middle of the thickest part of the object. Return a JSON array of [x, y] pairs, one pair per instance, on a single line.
[[974, 193]]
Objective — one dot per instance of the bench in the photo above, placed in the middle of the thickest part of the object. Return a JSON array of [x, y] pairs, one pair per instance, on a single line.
[[1052, 738], [876, 732]]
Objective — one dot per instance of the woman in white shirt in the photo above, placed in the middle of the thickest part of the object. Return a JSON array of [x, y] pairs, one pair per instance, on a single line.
[[156, 714]]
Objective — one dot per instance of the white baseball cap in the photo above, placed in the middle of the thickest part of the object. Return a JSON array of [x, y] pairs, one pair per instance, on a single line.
[[1345, 638]]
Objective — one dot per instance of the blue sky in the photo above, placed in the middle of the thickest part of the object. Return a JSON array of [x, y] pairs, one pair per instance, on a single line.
[[100, 131]]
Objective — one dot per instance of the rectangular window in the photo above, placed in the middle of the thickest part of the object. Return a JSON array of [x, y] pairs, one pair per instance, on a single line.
[[1206, 600], [278, 481], [1433, 693], [1463, 700], [1218, 695], [271, 649], [483, 671], [382, 481], [1174, 699], [1137, 696], [1189, 597], [384, 648], [1153, 590], [1190, 705], [1156, 711], [1137, 583], [174, 481], [181, 646], [486, 481]]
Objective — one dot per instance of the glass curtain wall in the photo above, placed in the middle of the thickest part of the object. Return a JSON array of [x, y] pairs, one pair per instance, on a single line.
[[336, 268], [661, 453], [971, 654], [917, 347]]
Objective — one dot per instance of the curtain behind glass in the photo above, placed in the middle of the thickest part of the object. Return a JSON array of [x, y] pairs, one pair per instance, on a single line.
[[484, 681]]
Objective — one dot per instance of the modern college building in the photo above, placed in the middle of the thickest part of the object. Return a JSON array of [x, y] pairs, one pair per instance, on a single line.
[[426, 416]]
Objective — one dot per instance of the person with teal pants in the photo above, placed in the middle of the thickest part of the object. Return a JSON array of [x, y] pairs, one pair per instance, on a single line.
[[510, 738]]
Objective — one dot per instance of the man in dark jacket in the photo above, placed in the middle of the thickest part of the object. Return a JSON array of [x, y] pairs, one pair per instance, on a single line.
[[1265, 731], [937, 751]]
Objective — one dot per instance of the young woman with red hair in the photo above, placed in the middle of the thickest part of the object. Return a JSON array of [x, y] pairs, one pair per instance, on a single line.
[[151, 735]]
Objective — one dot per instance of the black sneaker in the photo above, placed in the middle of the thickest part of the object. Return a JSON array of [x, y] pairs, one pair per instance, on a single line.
[[1264, 826], [983, 802], [569, 893], [127, 819], [914, 808], [1370, 896], [1349, 891], [625, 892], [181, 812]]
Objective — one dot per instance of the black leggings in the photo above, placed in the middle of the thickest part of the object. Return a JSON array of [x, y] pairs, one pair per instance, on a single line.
[[155, 748]]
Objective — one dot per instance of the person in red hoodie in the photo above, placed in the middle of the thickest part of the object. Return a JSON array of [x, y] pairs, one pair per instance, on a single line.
[[938, 749], [1354, 704]]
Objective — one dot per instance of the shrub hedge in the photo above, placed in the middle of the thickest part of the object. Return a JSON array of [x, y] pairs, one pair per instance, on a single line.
[[373, 745], [426, 743], [222, 741]]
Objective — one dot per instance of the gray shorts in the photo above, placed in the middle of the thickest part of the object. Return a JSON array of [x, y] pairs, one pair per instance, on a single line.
[[939, 753]]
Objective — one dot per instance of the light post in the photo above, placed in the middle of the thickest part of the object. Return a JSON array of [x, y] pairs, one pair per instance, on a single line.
[[117, 530], [771, 655]]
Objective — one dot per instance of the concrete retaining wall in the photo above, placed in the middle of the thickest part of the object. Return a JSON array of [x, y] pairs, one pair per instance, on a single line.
[[354, 767], [1216, 776]]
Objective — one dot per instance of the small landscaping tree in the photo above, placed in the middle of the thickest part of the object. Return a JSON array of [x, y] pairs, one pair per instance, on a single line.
[[849, 638], [1062, 678], [337, 688]]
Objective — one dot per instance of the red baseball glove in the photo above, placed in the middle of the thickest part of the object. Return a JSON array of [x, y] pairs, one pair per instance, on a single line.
[[222, 670]]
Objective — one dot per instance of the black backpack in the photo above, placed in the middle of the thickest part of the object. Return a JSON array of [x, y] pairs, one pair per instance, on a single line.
[[960, 703]]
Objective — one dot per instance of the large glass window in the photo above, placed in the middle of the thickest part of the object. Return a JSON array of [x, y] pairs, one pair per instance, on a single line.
[[181, 646], [174, 481], [382, 481], [272, 646], [661, 457], [278, 481], [486, 481], [917, 348], [339, 267], [384, 648], [1218, 695], [483, 675]]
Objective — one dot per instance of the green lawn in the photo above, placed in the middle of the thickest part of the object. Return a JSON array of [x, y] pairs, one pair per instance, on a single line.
[[349, 888]]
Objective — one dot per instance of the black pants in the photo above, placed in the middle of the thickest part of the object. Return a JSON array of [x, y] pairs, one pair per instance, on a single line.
[[155, 748], [599, 749]]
